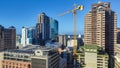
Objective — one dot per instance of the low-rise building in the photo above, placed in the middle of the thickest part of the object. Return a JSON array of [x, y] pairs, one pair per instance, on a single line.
[[62, 39], [117, 57], [63, 63], [91, 56], [70, 43], [1, 58], [32, 56]]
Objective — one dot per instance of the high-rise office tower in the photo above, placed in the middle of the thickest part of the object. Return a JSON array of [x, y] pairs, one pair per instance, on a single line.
[[24, 36], [7, 38], [100, 27], [53, 29], [46, 29], [28, 36], [10, 38], [31, 35], [43, 27]]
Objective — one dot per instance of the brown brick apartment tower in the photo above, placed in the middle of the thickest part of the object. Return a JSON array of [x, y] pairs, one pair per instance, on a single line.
[[100, 27]]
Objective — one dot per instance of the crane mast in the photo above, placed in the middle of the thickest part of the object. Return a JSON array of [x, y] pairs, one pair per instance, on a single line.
[[74, 11]]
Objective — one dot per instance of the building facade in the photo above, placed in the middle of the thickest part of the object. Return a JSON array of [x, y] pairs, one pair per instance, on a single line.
[[118, 35], [63, 63], [117, 56], [1, 38], [70, 43], [10, 38], [46, 29], [18, 40], [62, 39], [100, 25], [43, 27], [28, 36], [7, 38], [32, 56], [15, 64], [90, 56], [1, 58], [45, 59], [53, 29]]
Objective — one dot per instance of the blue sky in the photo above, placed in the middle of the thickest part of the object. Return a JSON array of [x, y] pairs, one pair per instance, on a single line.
[[25, 12]]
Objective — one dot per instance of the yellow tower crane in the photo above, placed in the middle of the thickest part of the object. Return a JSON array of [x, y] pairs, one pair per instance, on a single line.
[[74, 11]]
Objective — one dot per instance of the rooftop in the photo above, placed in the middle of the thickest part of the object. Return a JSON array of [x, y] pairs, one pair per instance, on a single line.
[[92, 48], [31, 48]]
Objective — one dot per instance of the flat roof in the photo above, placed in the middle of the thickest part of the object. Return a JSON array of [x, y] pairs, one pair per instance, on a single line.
[[31, 48]]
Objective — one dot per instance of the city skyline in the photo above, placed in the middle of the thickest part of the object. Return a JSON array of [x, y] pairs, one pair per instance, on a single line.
[[24, 13], [47, 39]]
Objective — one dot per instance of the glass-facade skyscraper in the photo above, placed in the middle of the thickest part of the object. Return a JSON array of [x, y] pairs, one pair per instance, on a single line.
[[28, 36], [42, 29], [18, 40], [46, 29], [53, 28]]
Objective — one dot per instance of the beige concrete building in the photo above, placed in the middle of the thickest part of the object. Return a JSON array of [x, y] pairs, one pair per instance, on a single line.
[[32, 56], [100, 25], [117, 56], [45, 58], [90, 56], [62, 39], [1, 58]]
